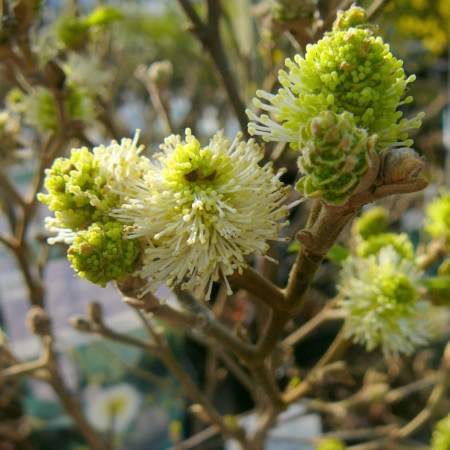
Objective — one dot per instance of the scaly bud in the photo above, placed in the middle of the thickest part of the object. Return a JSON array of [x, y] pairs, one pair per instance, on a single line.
[[334, 156]]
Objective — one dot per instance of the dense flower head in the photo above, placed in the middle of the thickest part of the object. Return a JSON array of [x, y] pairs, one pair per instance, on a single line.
[[374, 243], [438, 217], [84, 188], [71, 182], [371, 222], [441, 435], [348, 70], [203, 209], [102, 253], [382, 298], [334, 157]]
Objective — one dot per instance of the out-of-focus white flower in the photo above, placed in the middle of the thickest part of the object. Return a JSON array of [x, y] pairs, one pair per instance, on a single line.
[[203, 209], [86, 72], [382, 298], [113, 408]]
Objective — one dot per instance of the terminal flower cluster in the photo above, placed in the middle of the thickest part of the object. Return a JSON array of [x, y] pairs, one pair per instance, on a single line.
[[203, 209], [198, 211], [350, 71]]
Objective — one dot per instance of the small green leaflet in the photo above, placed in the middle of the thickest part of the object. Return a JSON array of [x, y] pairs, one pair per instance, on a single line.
[[103, 16], [337, 253], [437, 283]]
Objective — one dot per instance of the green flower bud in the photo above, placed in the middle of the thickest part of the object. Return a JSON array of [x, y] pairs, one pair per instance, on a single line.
[[354, 17], [438, 217], [103, 253], [400, 242], [348, 70], [71, 184], [88, 186], [72, 31], [331, 444], [441, 435], [334, 156], [371, 222]]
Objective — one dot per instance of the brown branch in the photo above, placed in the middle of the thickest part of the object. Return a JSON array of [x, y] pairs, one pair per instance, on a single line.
[[217, 330], [209, 36], [334, 352], [155, 96], [327, 314], [7, 240], [70, 404], [259, 286], [375, 9], [8, 186], [437, 394], [163, 351]]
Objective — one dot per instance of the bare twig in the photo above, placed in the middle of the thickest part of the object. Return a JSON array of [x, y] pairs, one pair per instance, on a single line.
[[209, 35]]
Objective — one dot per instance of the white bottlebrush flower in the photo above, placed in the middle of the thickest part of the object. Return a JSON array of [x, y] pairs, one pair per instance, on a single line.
[[113, 408], [382, 300], [203, 209]]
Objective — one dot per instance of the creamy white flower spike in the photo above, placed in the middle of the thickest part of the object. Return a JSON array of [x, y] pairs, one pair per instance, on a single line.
[[203, 209], [383, 300]]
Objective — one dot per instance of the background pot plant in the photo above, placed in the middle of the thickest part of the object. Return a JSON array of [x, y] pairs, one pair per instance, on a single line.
[[353, 321]]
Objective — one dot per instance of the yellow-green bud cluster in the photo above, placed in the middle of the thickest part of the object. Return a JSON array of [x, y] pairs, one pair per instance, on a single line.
[[374, 243], [71, 30], [381, 295], [102, 253], [334, 156], [438, 217], [71, 184], [348, 70], [441, 435], [203, 209], [331, 444], [371, 222], [83, 190], [40, 109]]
